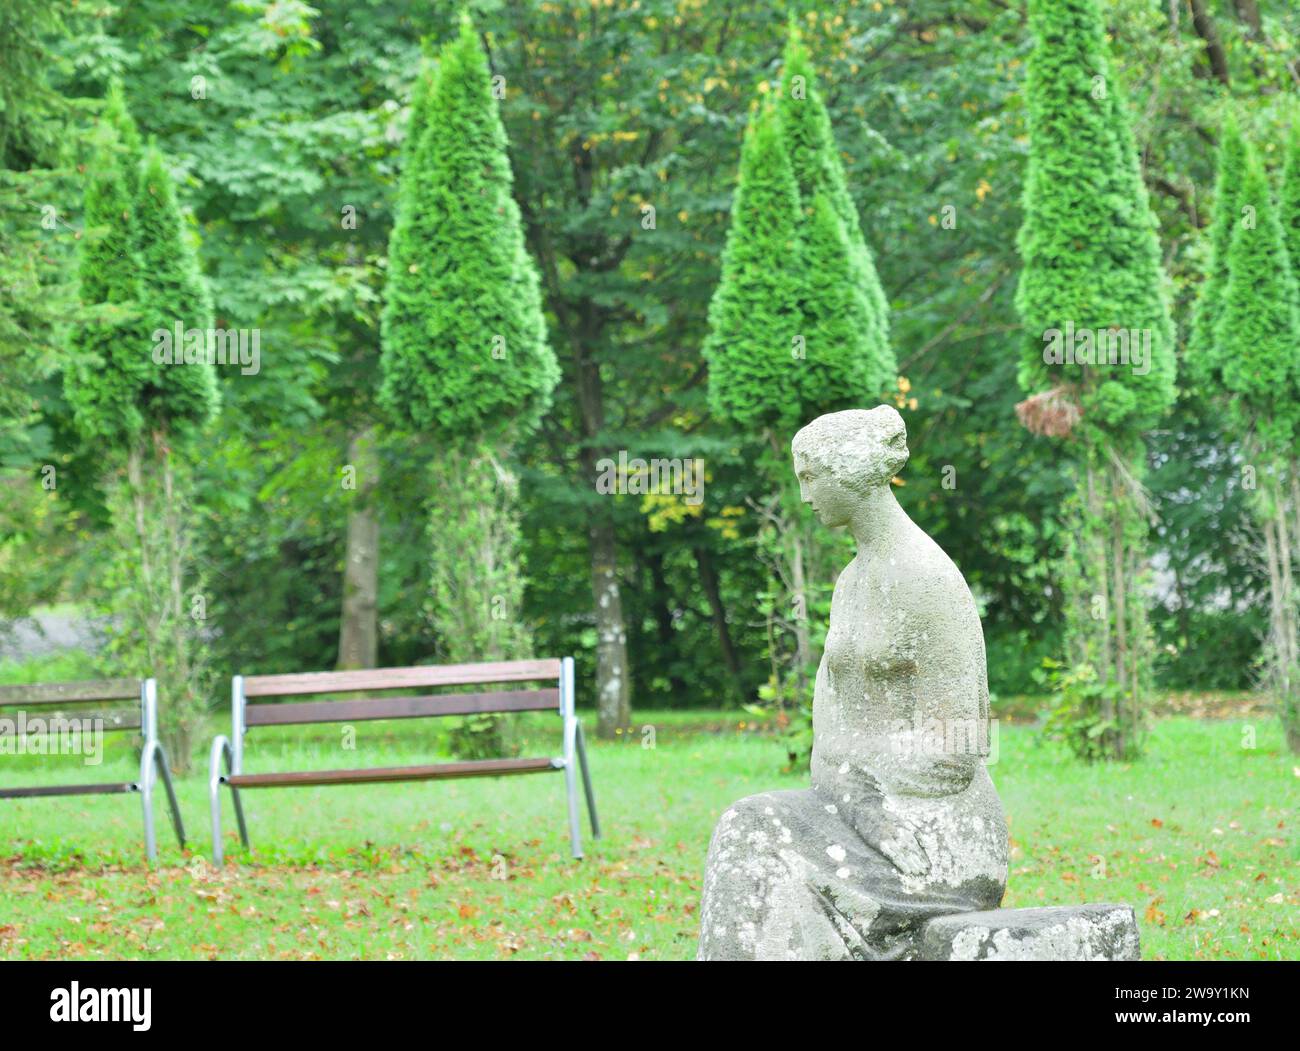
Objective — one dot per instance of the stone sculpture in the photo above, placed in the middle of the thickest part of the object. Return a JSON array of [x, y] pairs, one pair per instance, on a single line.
[[902, 823]]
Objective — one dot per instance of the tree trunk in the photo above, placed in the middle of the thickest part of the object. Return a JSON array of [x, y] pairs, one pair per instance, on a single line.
[[190, 706], [613, 693], [1203, 22], [666, 634], [359, 622], [1248, 12], [140, 514], [713, 592], [1094, 553], [802, 636], [1126, 659]]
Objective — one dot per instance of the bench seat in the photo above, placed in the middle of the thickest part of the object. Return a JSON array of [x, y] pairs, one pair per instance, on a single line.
[[70, 790], [436, 771]]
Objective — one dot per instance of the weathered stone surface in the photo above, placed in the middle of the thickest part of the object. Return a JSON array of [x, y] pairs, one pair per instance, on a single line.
[[1070, 932], [902, 822]]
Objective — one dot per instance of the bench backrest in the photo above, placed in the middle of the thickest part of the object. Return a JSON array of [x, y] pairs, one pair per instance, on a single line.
[[557, 698], [72, 699]]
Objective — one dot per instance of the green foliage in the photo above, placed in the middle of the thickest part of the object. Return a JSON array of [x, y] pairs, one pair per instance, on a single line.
[[30, 111], [130, 147], [465, 348], [1288, 205], [36, 287], [1092, 271], [476, 591], [799, 324], [1105, 584], [842, 366], [182, 396], [154, 599], [818, 170], [1215, 608], [112, 348], [139, 274], [1257, 337], [1081, 713], [607, 112], [1091, 257], [1202, 351], [754, 318]]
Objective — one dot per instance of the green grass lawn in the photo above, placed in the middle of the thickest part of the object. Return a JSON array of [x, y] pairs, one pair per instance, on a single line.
[[1199, 836]]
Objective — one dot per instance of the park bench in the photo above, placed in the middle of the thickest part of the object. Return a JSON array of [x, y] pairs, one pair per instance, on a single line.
[[60, 709], [244, 716]]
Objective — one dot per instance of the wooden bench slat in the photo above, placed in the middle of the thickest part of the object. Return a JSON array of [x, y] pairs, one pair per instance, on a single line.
[[118, 719], [400, 678], [70, 692], [467, 768], [367, 708], [68, 790]]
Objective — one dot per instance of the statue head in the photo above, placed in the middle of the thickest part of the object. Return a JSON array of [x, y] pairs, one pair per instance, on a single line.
[[841, 456]]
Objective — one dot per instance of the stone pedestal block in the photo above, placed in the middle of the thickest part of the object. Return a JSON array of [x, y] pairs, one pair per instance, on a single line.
[[1070, 932]]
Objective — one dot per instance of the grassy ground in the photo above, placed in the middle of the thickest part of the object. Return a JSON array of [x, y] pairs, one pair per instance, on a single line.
[[1199, 836]]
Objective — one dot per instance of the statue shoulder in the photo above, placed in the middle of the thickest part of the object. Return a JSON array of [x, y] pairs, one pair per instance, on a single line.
[[928, 581]]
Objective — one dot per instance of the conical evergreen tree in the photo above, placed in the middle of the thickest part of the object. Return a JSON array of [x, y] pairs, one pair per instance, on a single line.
[[465, 354], [1257, 347], [1091, 267], [1133, 399], [755, 327], [138, 274], [182, 396], [798, 324], [112, 360], [130, 146], [1202, 357], [1091, 257], [1257, 338], [815, 160]]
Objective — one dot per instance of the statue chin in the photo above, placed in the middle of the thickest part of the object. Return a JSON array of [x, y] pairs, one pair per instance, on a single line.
[[900, 826]]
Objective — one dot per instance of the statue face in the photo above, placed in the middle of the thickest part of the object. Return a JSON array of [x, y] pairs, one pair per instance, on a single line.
[[830, 500]]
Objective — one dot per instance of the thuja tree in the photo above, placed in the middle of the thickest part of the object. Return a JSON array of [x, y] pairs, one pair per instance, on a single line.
[[1289, 199], [818, 171], [139, 280], [1201, 357], [798, 323], [465, 358], [754, 349], [753, 343], [1256, 343], [1098, 359]]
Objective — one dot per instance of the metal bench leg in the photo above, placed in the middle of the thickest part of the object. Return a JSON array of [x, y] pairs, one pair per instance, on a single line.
[[571, 790], [571, 729], [586, 785], [239, 816], [153, 761], [164, 768], [220, 749]]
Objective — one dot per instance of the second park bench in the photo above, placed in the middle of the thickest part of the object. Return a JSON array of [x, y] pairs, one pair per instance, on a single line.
[[556, 696]]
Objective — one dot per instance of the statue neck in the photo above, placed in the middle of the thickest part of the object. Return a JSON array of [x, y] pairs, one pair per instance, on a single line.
[[877, 517]]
